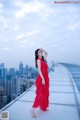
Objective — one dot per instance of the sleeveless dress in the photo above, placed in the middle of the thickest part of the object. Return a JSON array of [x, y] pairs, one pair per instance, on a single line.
[[42, 91]]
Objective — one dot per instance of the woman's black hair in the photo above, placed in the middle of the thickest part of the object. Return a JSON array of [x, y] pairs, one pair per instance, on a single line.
[[36, 57]]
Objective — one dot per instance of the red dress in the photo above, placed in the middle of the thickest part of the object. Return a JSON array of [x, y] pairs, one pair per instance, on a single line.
[[42, 91]]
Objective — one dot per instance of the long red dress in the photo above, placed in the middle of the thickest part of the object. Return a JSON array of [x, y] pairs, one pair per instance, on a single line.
[[42, 91]]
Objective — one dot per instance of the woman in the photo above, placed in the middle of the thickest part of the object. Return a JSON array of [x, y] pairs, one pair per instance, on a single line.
[[42, 82]]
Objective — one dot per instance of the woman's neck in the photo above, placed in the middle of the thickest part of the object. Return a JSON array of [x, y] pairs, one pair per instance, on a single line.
[[40, 57]]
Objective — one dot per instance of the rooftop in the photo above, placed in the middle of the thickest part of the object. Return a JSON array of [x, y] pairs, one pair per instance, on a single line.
[[64, 99]]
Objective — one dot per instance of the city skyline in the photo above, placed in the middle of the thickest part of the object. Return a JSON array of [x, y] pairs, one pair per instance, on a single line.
[[28, 25]]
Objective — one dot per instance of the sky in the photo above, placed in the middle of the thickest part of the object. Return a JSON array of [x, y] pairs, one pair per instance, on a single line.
[[26, 25]]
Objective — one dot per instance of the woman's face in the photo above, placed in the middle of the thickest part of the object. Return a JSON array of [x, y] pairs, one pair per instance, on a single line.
[[40, 53]]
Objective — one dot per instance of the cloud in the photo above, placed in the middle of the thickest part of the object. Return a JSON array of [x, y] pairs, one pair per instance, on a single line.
[[31, 33], [27, 43], [25, 8], [16, 28], [42, 9], [17, 55], [2, 20], [54, 45], [4, 49], [21, 36], [73, 26], [1, 7], [31, 43], [5, 40]]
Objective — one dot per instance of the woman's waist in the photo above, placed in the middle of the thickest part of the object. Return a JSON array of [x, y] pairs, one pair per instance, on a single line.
[[45, 69], [44, 72]]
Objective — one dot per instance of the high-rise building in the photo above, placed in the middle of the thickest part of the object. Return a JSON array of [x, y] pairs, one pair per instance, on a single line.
[[21, 68], [2, 65], [12, 71], [15, 86], [8, 85], [1, 72], [5, 100], [1, 97], [27, 68]]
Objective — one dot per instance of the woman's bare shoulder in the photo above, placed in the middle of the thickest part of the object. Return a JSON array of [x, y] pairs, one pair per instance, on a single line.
[[38, 60]]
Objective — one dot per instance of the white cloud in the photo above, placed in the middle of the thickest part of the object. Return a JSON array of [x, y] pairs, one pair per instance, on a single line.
[[79, 43], [23, 46], [2, 20], [16, 28], [17, 55], [31, 33], [31, 43], [5, 41], [73, 26], [25, 8], [1, 7], [41, 8], [21, 36], [4, 49], [25, 43], [54, 45]]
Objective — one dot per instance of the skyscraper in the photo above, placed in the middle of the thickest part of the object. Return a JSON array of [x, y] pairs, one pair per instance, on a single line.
[[2, 74], [21, 68], [2, 65], [1, 97]]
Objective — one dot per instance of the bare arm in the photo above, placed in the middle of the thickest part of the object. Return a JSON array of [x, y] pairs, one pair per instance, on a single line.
[[45, 53], [39, 69]]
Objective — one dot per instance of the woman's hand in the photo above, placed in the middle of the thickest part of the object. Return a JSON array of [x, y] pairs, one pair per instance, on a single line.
[[43, 81], [41, 49], [45, 53]]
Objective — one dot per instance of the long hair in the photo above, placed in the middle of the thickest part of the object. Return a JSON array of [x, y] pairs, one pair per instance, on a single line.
[[36, 57]]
